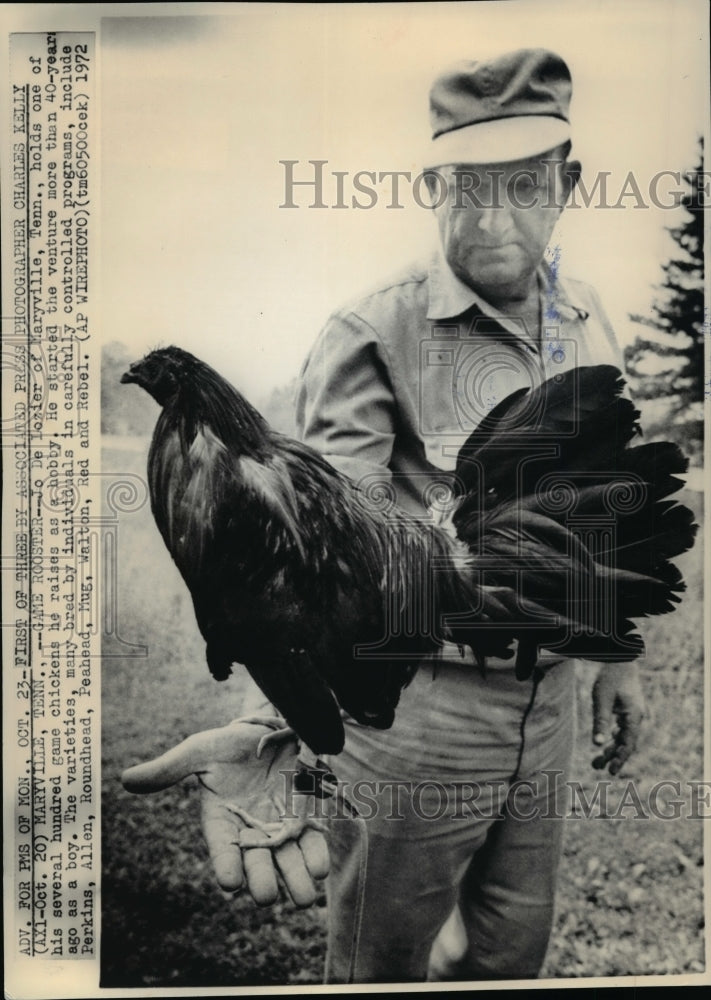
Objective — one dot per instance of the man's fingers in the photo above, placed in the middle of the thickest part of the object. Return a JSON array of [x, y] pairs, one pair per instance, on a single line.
[[298, 864], [602, 760], [297, 880], [221, 830], [617, 762], [603, 700], [617, 694], [615, 754], [631, 725], [315, 851], [227, 865], [626, 742], [260, 875]]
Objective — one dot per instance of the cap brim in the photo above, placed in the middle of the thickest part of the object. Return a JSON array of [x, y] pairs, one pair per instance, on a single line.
[[499, 141]]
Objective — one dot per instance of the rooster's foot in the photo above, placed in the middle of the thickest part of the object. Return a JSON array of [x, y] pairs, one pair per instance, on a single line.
[[260, 833], [280, 732]]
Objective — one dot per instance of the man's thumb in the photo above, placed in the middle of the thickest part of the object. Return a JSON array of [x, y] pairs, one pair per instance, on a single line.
[[602, 712], [166, 770]]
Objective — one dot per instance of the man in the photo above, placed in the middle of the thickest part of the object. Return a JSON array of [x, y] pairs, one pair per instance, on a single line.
[[389, 393]]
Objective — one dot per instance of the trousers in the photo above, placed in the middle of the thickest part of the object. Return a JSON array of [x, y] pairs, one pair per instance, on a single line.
[[458, 799]]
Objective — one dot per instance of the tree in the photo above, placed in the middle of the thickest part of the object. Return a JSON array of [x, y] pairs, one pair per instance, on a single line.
[[278, 408], [670, 362]]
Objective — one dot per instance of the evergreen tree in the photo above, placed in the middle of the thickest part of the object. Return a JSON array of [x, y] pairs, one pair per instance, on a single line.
[[671, 365]]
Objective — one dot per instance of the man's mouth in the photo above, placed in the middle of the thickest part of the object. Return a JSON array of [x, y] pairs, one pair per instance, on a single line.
[[493, 247]]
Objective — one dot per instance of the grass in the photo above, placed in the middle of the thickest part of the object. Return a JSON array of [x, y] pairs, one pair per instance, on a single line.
[[630, 890]]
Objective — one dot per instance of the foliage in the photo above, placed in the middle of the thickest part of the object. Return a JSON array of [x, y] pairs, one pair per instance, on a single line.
[[278, 409], [670, 361]]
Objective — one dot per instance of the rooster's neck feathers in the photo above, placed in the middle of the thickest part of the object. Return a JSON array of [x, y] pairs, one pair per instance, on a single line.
[[205, 399]]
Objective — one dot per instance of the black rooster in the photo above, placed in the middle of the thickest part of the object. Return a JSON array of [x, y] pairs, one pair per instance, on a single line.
[[294, 574]]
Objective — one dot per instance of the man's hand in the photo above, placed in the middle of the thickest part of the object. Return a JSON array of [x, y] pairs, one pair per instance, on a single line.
[[244, 803], [617, 692]]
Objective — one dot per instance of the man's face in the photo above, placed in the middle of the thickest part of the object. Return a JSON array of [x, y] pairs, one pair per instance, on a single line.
[[495, 220]]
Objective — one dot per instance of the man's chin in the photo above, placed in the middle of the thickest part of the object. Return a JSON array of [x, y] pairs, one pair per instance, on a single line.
[[488, 278]]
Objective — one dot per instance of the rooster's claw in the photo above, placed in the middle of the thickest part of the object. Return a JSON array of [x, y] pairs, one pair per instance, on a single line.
[[259, 833]]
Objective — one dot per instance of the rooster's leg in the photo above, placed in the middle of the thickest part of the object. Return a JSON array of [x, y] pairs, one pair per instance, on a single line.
[[271, 834], [280, 732]]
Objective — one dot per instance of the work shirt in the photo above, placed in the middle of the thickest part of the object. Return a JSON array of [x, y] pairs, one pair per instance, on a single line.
[[397, 381], [391, 390]]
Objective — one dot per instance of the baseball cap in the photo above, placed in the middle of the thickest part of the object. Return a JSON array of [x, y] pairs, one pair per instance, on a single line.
[[504, 109]]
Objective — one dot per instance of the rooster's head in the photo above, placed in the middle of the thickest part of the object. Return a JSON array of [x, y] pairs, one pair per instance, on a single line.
[[161, 373]]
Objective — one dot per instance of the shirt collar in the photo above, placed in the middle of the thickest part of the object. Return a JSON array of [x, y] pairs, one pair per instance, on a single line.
[[449, 297]]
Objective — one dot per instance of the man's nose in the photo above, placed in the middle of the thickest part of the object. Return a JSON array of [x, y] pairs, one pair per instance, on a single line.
[[493, 219]]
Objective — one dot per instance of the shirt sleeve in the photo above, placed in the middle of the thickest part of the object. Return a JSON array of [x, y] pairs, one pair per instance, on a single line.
[[345, 407]]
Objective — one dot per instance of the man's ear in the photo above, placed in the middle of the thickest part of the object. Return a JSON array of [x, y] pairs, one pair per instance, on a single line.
[[570, 171]]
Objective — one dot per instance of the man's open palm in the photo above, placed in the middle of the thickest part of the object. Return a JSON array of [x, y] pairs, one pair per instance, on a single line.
[[254, 826]]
